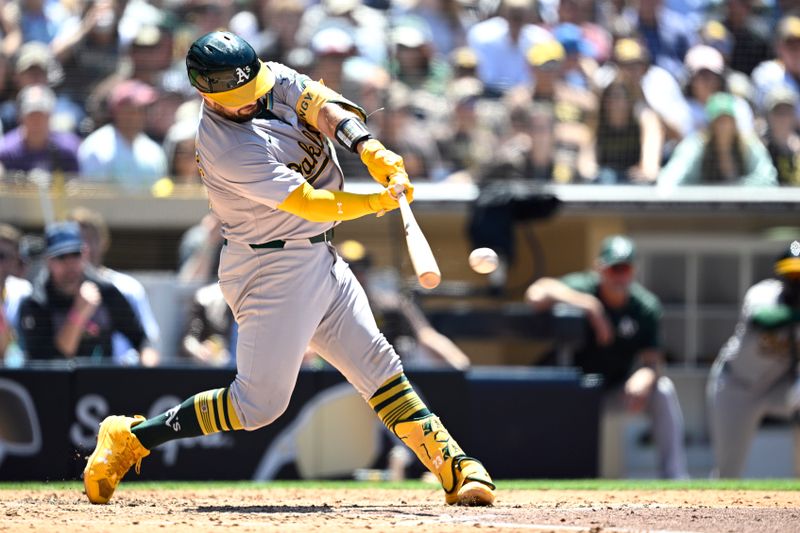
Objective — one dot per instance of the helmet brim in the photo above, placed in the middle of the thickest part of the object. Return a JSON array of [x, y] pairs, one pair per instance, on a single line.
[[247, 93], [788, 266]]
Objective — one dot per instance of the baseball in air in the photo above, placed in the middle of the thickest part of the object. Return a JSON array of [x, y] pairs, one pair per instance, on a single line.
[[483, 260]]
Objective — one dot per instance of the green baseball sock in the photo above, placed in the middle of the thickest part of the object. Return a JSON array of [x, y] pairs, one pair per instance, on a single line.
[[207, 412]]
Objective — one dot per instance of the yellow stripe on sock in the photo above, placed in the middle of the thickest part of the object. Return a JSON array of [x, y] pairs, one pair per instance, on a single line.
[[403, 410], [232, 416], [209, 399], [199, 414], [203, 405], [220, 411], [377, 400], [382, 394]]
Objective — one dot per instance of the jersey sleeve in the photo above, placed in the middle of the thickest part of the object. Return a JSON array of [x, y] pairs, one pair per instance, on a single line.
[[289, 84], [581, 282], [256, 174], [304, 96]]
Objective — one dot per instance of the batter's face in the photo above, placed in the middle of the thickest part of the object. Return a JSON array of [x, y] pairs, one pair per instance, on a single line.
[[237, 114]]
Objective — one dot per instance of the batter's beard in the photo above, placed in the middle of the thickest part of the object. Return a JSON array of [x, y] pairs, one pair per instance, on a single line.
[[241, 117]]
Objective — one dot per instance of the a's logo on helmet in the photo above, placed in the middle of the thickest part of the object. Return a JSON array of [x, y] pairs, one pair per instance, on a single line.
[[243, 73]]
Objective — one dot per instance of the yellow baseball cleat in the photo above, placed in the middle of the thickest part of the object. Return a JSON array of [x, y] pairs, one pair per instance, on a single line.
[[117, 451], [465, 481], [474, 487]]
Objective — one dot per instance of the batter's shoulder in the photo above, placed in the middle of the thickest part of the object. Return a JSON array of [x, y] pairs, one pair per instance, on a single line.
[[217, 138], [289, 84]]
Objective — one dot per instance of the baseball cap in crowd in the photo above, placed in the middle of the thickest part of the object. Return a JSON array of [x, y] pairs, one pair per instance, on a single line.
[[62, 238], [720, 104], [33, 54], [519, 5], [571, 38], [704, 57], [616, 250], [629, 50], [464, 57], [409, 36], [338, 8], [550, 51], [332, 41], [780, 95], [714, 33], [149, 35], [132, 91], [789, 28], [36, 98], [465, 91], [789, 261]]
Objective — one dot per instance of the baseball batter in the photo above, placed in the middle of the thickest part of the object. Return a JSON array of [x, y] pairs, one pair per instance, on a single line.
[[265, 155], [755, 373]]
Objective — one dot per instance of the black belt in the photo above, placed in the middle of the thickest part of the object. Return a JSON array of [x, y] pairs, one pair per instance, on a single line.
[[322, 237]]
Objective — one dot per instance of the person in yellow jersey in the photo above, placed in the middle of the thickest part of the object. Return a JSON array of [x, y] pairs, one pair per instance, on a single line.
[[266, 158]]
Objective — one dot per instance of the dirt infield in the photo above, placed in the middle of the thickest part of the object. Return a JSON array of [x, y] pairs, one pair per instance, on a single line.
[[300, 509]]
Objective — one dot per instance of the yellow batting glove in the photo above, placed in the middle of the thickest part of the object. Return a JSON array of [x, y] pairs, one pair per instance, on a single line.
[[381, 163], [383, 201], [400, 183]]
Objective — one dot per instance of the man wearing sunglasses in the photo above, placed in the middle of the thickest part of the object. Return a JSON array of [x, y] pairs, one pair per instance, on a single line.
[[624, 347], [73, 312]]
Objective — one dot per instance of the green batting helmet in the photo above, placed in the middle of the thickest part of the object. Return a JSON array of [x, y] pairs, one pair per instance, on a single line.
[[225, 68], [788, 263]]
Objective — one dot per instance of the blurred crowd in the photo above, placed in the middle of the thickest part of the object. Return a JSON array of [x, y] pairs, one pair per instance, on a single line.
[[665, 92], [60, 302]]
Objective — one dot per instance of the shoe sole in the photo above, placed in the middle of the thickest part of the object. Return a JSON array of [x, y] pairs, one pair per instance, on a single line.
[[100, 438], [475, 494]]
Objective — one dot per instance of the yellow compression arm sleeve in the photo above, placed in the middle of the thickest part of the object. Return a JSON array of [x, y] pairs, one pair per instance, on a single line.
[[322, 205]]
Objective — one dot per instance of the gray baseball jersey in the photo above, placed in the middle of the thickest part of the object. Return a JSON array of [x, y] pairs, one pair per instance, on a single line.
[[289, 298], [755, 358], [750, 378], [250, 168]]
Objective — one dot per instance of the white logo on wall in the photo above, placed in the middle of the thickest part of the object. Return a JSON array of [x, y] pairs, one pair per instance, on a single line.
[[243, 73], [91, 409], [22, 434]]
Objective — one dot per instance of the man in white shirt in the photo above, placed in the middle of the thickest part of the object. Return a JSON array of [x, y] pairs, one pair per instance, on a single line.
[[784, 70], [120, 152], [12, 290]]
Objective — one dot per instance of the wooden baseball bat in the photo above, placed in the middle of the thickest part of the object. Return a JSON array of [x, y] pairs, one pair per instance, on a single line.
[[419, 250]]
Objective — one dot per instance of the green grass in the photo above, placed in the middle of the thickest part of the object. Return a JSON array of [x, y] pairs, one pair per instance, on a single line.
[[519, 484]]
